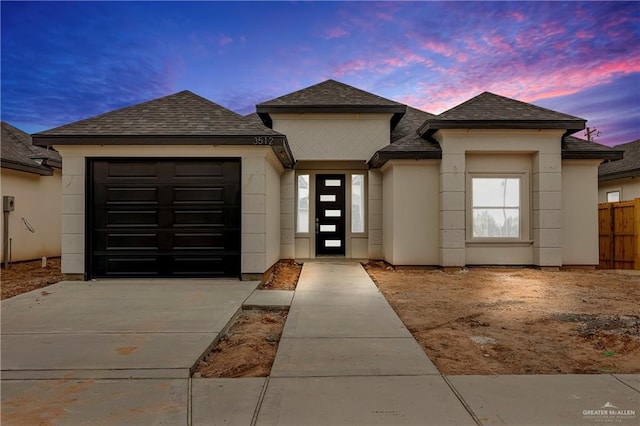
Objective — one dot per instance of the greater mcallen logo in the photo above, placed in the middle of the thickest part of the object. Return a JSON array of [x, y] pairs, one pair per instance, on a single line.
[[609, 413]]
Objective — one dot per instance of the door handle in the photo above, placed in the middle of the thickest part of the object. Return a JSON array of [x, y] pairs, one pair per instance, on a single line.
[[317, 226]]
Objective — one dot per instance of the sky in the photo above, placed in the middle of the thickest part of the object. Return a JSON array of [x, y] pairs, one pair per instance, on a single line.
[[66, 61]]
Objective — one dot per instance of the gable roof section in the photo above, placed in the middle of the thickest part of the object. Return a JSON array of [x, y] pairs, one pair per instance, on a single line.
[[330, 96], [18, 153], [629, 166], [491, 111], [181, 118]]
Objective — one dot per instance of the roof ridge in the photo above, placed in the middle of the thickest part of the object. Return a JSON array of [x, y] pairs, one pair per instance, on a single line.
[[506, 98], [118, 110], [328, 82]]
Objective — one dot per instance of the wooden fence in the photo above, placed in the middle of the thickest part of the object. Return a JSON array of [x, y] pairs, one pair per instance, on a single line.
[[619, 235]]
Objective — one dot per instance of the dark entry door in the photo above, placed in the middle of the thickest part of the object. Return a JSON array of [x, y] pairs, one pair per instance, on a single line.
[[330, 212], [164, 218]]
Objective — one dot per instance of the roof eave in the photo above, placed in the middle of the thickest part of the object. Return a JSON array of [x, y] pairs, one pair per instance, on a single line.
[[432, 126], [380, 158], [21, 167], [592, 155], [277, 142], [619, 175]]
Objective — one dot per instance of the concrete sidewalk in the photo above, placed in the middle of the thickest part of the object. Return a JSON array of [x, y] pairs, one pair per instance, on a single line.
[[112, 351], [120, 353], [345, 358]]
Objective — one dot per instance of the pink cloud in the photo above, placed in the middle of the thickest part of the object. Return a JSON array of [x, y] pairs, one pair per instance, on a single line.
[[335, 32], [350, 67], [584, 35]]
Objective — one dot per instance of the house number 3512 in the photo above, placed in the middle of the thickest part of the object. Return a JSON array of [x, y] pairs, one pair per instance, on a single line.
[[263, 140]]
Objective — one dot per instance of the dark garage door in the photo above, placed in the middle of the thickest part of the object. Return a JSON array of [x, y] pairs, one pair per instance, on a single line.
[[164, 218]]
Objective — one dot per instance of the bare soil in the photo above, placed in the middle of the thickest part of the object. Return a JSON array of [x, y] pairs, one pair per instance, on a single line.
[[26, 276], [519, 321], [283, 277], [248, 349]]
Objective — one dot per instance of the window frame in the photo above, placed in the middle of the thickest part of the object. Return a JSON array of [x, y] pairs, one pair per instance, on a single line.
[[297, 206], [615, 191], [363, 203], [524, 210]]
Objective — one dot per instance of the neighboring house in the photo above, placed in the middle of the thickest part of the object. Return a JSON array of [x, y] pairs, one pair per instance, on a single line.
[[619, 180], [33, 176], [180, 186]]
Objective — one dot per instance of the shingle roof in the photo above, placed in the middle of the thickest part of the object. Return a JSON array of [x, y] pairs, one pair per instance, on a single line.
[[181, 118], [492, 111], [411, 121], [330, 93], [412, 146], [626, 167], [330, 96], [180, 114], [18, 153]]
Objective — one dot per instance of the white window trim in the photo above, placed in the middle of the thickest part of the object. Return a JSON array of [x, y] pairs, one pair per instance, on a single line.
[[524, 210], [613, 190]]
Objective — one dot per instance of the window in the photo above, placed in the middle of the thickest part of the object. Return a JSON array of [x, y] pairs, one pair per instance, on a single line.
[[613, 196], [357, 203], [302, 205], [496, 207]]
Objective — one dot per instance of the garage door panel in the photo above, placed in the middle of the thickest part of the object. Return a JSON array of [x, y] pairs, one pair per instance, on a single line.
[[188, 169], [184, 221], [205, 241], [191, 195], [131, 218], [126, 266], [129, 196], [132, 170], [132, 241]]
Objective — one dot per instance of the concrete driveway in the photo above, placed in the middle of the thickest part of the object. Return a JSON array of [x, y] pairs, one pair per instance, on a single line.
[[65, 348]]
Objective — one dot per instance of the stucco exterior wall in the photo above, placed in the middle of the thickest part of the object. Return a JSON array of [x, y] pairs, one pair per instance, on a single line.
[[257, 221], [546, 185], [334, 136], [629, 189], [410, 193], [38, 201], [376, 249], [287, 215], [273, 214], [388, 183], [579, 212]]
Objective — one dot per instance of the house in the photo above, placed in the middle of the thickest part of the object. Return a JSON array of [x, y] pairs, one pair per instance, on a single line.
[[181, 186], [619, 180], [32, 175]]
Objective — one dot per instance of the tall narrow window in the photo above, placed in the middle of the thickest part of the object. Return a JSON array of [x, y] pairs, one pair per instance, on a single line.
[[357, 203], [302, 204], [496, 207]]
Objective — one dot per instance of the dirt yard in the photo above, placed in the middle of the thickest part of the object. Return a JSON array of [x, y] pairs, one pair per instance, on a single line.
[[249, 347], [26, 276], [519, 321], [284, 276]]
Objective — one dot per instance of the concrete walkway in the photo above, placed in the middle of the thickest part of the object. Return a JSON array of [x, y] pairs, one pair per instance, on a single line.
[[345, 358], [120, 353]]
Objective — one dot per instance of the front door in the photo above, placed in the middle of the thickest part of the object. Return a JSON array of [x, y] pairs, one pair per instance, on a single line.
[[330, 210]]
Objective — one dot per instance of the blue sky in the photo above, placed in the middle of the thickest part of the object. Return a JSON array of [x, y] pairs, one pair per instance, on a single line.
[[65, 61]]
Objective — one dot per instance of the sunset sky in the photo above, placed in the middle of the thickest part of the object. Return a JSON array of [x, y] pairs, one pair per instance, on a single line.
[[62, 62]]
